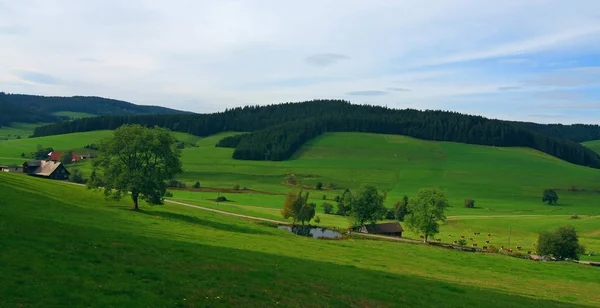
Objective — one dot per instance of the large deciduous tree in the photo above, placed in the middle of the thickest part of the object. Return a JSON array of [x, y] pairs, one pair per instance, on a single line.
[[137, 160], [549, 196], [426, 211], [295, 207], [365, 205], [561, 243]]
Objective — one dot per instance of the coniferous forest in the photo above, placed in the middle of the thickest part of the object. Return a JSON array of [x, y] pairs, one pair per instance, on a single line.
[[276, 132]]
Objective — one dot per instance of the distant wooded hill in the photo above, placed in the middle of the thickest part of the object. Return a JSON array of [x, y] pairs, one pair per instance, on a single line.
[[277, 131], [33, 108]]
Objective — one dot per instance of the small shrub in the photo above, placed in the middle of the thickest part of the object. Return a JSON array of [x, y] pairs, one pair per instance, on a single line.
[[327, 208], [221, 199], [317, 219], [337, 199], [76, 176], [319, 186], [168, 194], [196, 185], [236, 187], [492, 249], [574, 216], [470, 203], [324, 197], [461, 242], [176, 184]]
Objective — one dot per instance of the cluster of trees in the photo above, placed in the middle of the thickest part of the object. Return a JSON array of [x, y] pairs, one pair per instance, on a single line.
[[561, 243], [277, 131], [575, 132], [422, 213]]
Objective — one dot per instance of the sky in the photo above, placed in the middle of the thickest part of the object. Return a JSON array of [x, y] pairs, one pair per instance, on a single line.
[[518, 60]]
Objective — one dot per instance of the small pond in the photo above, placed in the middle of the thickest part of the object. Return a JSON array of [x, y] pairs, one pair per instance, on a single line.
[[311, 232]]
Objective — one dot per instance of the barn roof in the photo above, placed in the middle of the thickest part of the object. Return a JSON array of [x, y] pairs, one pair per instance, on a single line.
[[46, 168]]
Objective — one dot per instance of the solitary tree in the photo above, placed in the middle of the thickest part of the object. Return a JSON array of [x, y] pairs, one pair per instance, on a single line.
[[137, 160], [561, 243], [319, 186], [292, 206], [366, 205], [426, 211], [550, 196]]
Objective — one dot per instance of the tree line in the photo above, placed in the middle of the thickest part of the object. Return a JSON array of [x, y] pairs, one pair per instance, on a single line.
[[278, 131]]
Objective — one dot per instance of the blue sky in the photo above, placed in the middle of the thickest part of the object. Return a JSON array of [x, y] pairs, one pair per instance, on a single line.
[[519, 60]]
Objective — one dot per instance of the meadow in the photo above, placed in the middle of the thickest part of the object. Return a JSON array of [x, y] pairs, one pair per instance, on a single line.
[[83, 250], [15, 130], [506, 183]]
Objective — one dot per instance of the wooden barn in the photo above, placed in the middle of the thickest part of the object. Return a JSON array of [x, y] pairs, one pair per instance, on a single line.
[[390, 228], [46, 169]]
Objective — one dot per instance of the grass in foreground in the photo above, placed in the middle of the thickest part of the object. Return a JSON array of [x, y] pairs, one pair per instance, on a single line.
[[82, 250]]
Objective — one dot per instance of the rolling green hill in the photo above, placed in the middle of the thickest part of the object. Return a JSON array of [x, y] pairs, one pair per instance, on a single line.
[[82, 250], [506, 183], [594, 145], [276, 132]]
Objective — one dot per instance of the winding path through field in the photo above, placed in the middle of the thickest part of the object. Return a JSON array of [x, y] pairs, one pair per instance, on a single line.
[[228, 213]]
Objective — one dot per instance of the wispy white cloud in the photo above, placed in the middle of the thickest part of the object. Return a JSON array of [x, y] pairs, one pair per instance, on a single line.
[[202, 55]]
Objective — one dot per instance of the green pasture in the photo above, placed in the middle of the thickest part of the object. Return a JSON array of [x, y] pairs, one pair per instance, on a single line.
[[15, 130], [505, 182], [64, 245]]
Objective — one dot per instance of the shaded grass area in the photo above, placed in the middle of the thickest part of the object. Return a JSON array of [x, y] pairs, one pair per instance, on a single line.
[[85, 251]]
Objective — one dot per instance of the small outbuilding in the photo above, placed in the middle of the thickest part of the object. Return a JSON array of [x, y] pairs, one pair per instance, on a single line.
[[390, 228], [46, 169], [12, 169]]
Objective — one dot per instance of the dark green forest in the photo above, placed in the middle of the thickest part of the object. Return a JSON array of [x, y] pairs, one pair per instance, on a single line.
[[276, 132], [14, 113], [33, 108], [575, 132]]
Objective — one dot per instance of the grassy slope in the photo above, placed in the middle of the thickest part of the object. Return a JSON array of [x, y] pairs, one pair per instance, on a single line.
[[503, 181], [18, 129], [594, 145], [85, 251]]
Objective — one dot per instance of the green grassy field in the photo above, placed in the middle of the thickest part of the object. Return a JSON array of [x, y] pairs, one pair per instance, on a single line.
[[15, 130], [505, 182], [63, 245], [594, 145]]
